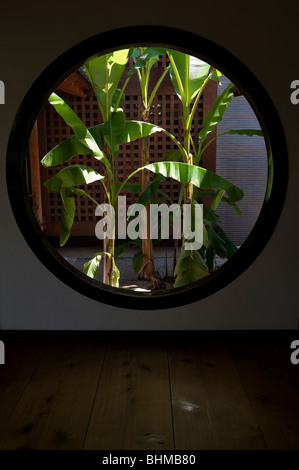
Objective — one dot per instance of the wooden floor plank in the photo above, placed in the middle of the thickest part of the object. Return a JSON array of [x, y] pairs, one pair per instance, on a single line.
[[228, 394], [132, 409], [54, 409], [272, 385], [210, 407], [21, 359]]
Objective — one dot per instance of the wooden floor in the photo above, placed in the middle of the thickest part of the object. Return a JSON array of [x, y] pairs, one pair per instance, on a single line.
[[155, 391]]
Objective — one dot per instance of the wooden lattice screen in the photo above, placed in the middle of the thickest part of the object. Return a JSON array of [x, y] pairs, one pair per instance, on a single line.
[[165, 111]]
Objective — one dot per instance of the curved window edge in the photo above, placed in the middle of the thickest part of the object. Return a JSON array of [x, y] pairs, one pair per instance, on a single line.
[[258, 99]]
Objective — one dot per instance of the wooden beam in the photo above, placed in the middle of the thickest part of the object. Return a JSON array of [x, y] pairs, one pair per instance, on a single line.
[[54, 409], [74, 84], [210, 408], [132, 408], [34, 161]]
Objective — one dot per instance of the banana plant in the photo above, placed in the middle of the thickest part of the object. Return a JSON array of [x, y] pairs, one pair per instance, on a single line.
[[190, 76], [102, 141], [144, 58], [104, 74]]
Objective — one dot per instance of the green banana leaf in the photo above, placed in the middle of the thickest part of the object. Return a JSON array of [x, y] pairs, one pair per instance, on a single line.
[[67, 214], [209, 215], [115, 274], [71, 118], [199, 177], [249, 132], [81, 192], [152, 188], [210, 257], [118, 131], [69, 148], [203, 194], [91, 268], [137, 261], [190, 76], [215, 115], [134, 188], [230, 247], [149, 56], [121, 248], [105, 73], [205, 237], [64, 152], [134, 130], [112, 130], [134, 52], [222, 245], [190, 268], [118, 97], [217, 199], [270, 176], [219, 243], [73, 175], [149, 192]]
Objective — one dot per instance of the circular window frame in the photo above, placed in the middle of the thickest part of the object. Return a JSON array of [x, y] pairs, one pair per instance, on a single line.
[[64, 65]]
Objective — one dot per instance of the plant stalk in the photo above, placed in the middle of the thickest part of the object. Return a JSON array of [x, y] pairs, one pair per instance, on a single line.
[[147, 244]]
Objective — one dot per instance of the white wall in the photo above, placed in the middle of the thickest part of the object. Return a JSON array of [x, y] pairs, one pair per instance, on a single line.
[[242, 160], [265, 296]]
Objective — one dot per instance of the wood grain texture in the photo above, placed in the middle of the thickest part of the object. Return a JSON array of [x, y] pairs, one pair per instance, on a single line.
[[132, 409], [139, 392], [21, 359], [210, 407], [34, 163], [54, 409], [272, 385], [75, 85]]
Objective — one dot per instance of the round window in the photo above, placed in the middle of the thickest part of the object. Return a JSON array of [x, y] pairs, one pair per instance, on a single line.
[[147, 173]]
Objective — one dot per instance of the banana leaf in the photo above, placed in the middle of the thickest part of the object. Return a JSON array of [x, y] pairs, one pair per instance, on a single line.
[[64, 152], [187, 74], [199, 177], [105, 73], [73, 175], [149, 56], [79, 129], [91, 268], [190, 268], [203, 194], [137, 261], [215, 115], [67, 214]]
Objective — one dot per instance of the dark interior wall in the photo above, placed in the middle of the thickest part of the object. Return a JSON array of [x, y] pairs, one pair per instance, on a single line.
[[265, 295]]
